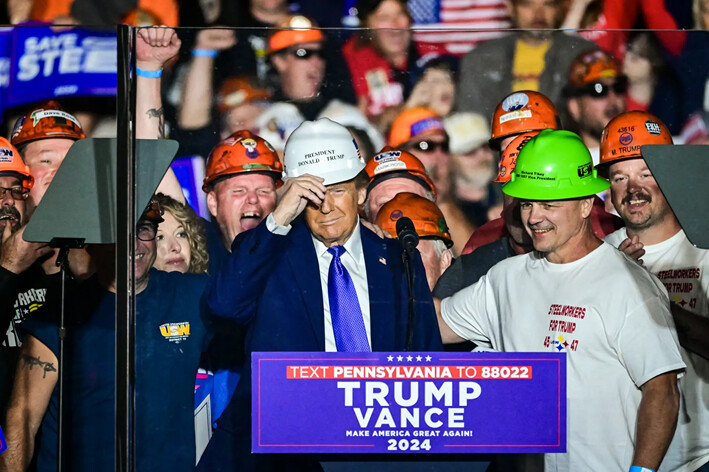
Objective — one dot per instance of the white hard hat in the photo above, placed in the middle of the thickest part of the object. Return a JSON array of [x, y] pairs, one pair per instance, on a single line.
[[349, 115], [466, 131], [325, 149], [277, 123]]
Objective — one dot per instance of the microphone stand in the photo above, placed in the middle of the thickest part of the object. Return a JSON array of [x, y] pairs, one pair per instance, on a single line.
[[63, 244], [409, 240]]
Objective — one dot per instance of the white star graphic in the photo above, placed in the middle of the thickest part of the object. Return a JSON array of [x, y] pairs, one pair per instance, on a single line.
[[409, 358], [418, 358], [428, 358], [399, 358], [390, 358]]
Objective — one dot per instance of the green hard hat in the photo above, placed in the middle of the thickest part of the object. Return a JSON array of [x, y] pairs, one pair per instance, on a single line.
[[554, 165]]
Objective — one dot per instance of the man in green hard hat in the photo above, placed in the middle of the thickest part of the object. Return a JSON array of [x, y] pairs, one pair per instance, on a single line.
[[578, 295]]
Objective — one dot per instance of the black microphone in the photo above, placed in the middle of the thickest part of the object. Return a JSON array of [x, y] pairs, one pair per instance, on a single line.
[[406, 233]]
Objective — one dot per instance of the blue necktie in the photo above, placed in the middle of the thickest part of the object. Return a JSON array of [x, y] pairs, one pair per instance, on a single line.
[[346, 314]]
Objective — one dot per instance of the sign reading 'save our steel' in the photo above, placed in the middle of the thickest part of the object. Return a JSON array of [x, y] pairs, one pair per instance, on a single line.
[[408, 402]]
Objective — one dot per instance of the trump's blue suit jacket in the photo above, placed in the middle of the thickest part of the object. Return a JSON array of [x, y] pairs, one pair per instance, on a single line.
[[272, 284]]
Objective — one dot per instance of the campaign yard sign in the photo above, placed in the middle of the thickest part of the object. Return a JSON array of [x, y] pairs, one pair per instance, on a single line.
[[408, 402]]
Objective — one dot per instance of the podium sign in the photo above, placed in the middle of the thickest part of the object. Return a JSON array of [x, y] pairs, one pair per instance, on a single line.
[[408, 402]]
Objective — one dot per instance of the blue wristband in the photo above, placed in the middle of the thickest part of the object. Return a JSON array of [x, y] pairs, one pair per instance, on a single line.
[[636, 468], [204, 53], [148, 74]]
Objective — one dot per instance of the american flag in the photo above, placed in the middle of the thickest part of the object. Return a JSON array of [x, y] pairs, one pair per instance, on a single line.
[[456, 26]]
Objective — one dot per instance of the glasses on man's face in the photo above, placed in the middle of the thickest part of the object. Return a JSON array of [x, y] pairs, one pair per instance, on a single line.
[[305, 54], [429, 146], [18, 193], [600, 90], [146, 231]]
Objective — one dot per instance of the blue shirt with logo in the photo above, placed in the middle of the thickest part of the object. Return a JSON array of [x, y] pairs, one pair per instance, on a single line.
[[169, 339]]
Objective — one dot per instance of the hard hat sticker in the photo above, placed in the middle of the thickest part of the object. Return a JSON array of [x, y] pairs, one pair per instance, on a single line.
[[250, 145], [389, 165], [653, 128], [516, 101], [235, 99], [585, 170], [387, 156], [395, 215], [442, 226], [425, 125], [515, 115], [625, 138], [37, 115], [18, 126], [255, 166], [6, 155]]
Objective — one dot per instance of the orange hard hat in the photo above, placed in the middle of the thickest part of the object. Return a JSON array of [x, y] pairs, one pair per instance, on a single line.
[[296, 29], [521, 112], [624, 134], [509, 156], [48, 120], [11, 161], [142, 17], [236, 91], [425, 215], [592, 66], [153, 212], [240, 153], [414, 122], [392, 162]]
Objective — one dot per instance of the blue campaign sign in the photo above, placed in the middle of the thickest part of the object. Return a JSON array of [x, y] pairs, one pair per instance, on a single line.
[[3, 443], [189, 171], [50, 64], [406, 402], [5, 48]]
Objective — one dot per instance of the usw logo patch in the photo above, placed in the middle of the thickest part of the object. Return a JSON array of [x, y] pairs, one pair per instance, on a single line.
[[175, 332]]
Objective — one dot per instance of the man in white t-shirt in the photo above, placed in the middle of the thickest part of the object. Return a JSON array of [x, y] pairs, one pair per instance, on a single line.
[[577, 295], [653, 233]]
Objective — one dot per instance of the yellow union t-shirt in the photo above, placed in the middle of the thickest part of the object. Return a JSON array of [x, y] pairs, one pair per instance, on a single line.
[[528, 65]]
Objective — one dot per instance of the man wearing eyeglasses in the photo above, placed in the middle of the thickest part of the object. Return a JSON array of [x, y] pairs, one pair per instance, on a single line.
[[169, 340], [43, 136], [16, 255], [595, 94]]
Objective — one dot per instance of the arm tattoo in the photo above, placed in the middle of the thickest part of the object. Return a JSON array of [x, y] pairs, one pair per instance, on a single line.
[[34, 361], [160, 115]]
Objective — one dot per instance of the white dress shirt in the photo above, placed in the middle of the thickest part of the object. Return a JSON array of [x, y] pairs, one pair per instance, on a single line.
[[353, 260]]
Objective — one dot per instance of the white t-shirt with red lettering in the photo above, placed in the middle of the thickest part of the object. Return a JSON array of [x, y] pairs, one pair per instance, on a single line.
[[611, 318], [683, 269]]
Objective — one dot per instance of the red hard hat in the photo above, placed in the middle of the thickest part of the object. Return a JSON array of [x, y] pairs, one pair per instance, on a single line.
[[390, 160], [10, 161], [509, 156], [624, 134], [240, 153], [521, 112], [296, 29], [413, 122], [48, 120], [592, 66], [425, 215]]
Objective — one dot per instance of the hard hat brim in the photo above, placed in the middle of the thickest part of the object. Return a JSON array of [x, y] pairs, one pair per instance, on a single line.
[[523, 189]]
